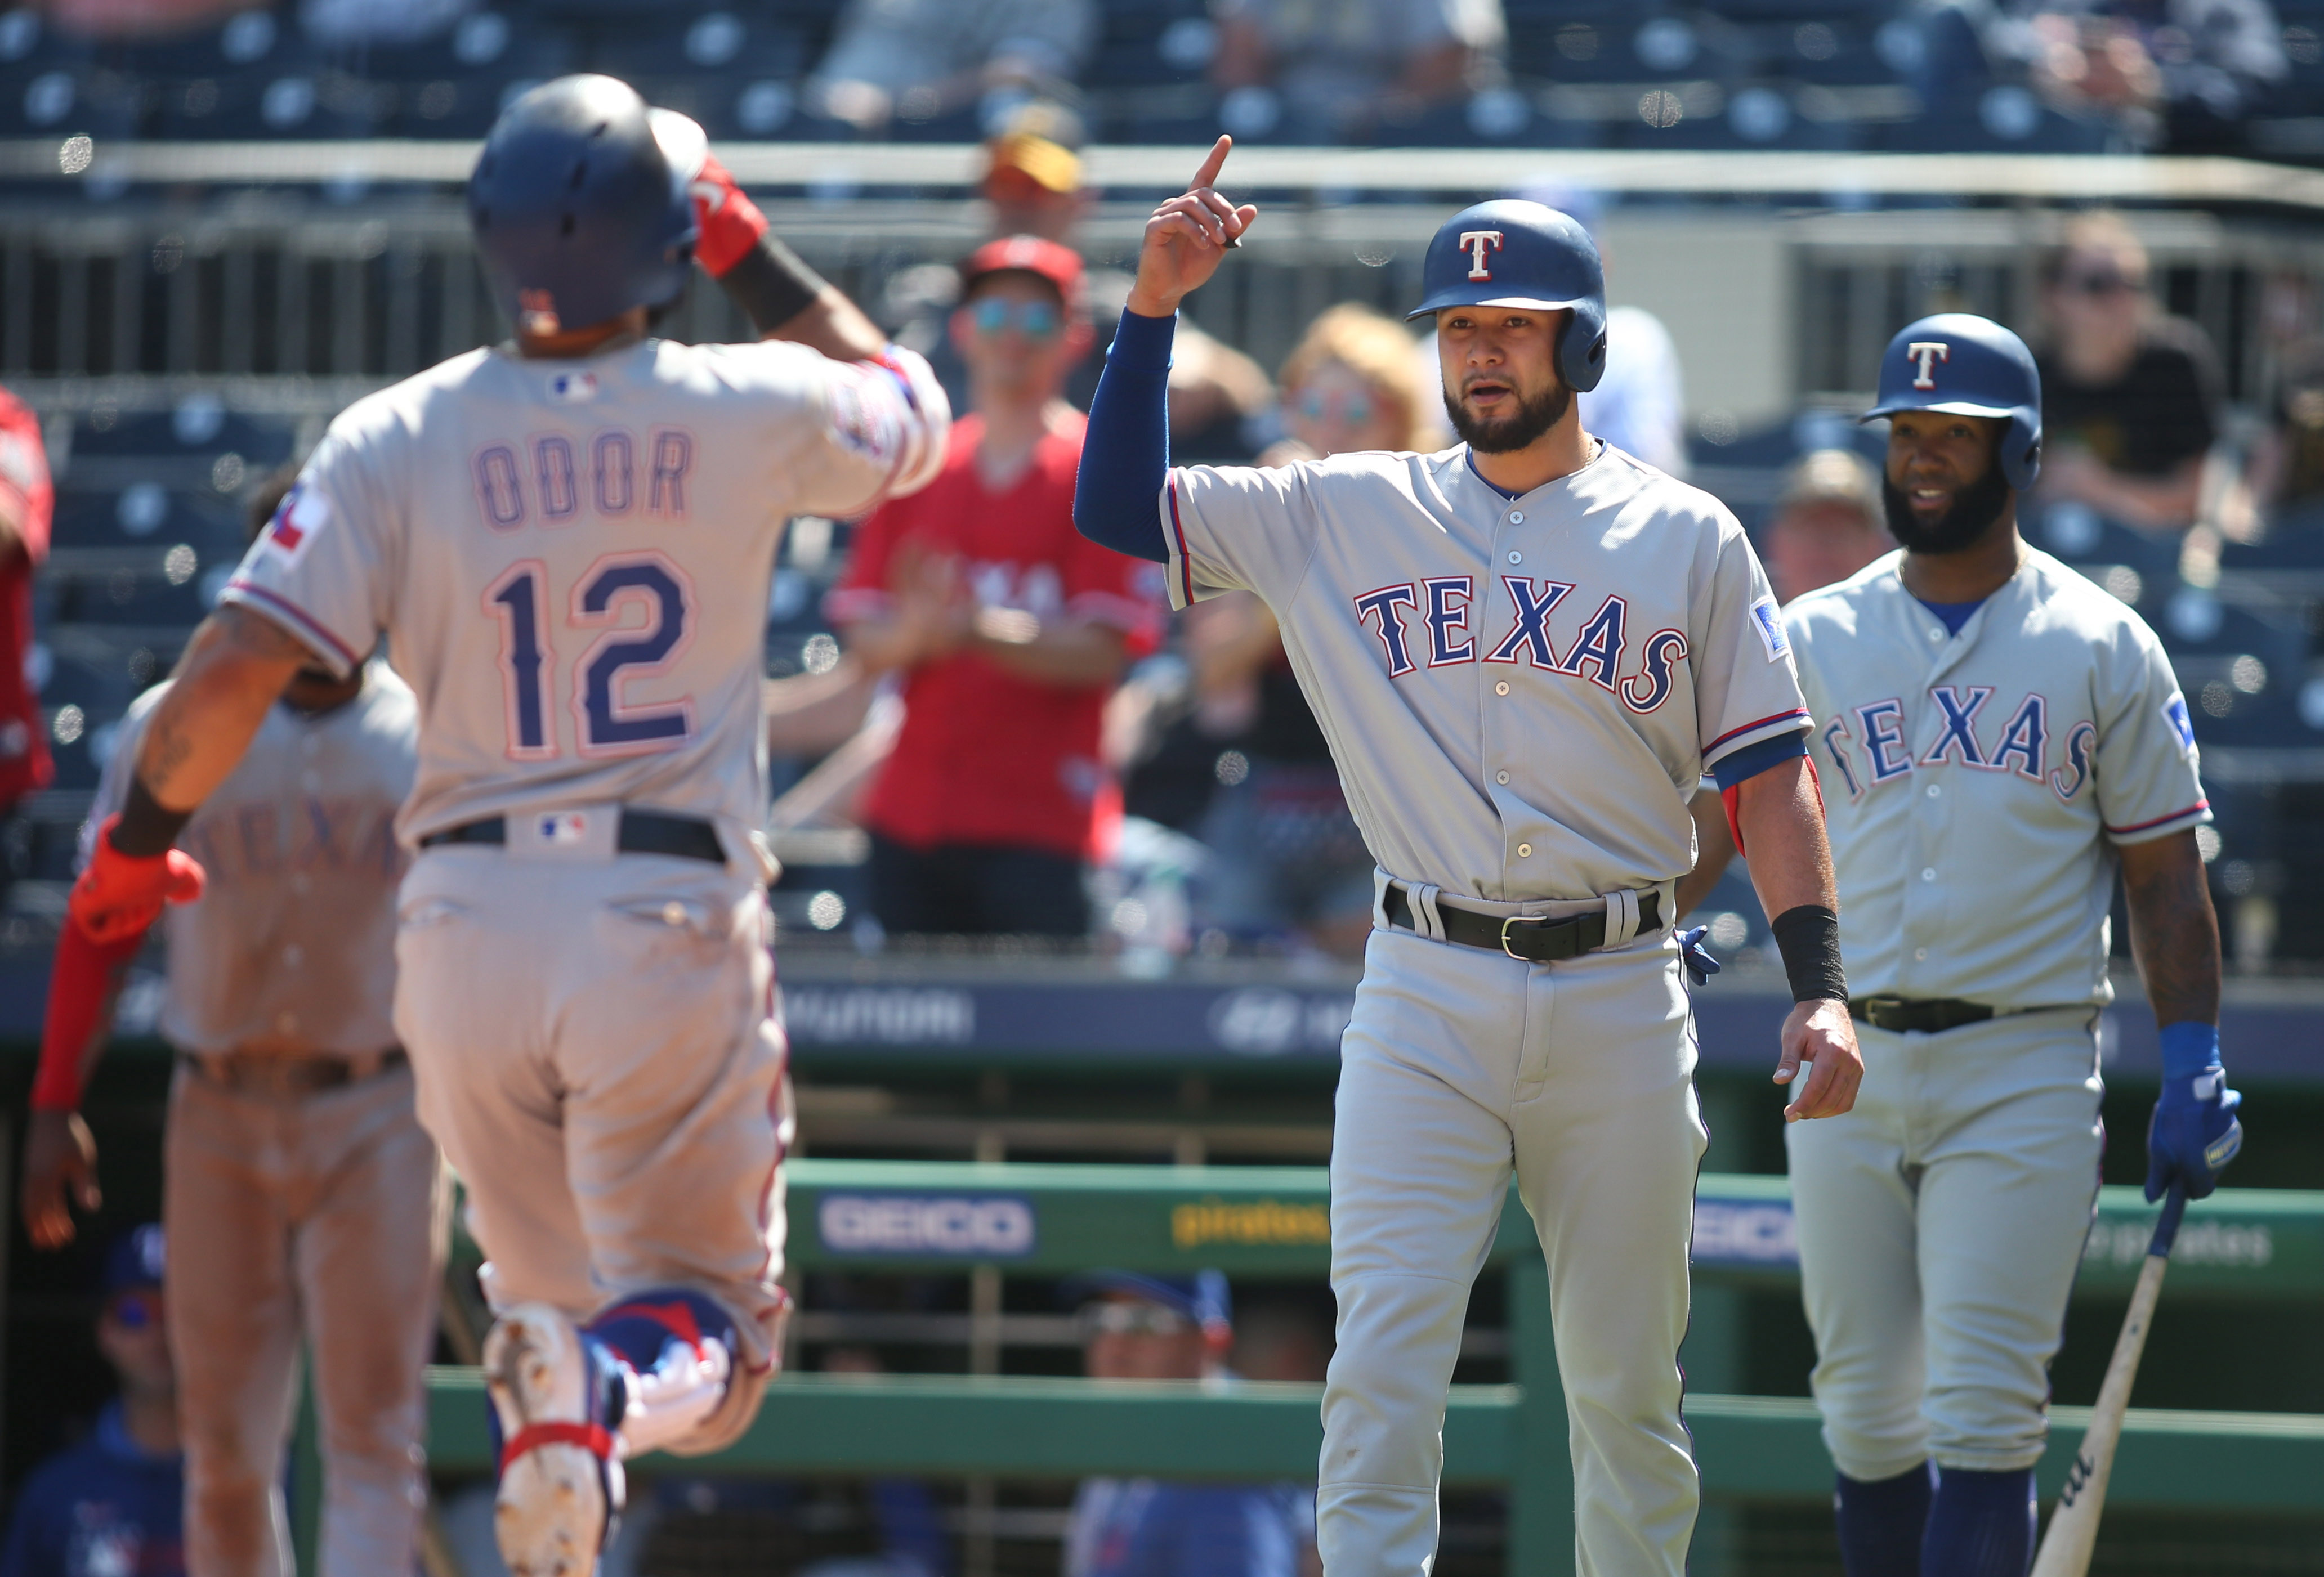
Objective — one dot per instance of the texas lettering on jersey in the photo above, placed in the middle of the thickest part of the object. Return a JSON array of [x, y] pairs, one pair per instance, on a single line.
[[1428, 622]]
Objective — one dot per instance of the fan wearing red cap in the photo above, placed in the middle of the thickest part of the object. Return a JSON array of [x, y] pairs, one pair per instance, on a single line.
[[1008, 628]]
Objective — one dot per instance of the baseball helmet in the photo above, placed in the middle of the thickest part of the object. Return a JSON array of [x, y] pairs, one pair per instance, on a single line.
[[578, 210], [1510, 252], [1961, 364]]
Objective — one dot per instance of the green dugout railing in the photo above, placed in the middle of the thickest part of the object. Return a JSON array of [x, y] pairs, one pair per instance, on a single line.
[[1054, 1220]]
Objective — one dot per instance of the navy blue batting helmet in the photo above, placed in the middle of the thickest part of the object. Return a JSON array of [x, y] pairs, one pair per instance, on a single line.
[[1510, 252], [577, 208], [1961, 364]]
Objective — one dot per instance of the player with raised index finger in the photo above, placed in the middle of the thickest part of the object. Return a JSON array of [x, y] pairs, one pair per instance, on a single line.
[[568, 540], [1525, 652], [2000, 737]]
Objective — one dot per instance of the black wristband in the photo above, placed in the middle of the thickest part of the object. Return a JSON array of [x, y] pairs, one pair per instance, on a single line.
[[770, 284], [1809, 938], [147, 828]]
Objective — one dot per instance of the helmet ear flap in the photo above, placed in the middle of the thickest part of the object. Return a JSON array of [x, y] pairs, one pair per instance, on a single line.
[[1582, 353]]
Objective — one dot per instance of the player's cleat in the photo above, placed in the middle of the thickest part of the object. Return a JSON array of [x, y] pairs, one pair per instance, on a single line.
[[557, 1400]]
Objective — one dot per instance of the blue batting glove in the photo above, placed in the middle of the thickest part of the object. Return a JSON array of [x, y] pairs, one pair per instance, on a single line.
[[2194, 1133], [1699, 964]]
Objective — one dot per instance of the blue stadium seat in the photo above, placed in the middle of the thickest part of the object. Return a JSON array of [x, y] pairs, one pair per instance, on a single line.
[[147, 515]]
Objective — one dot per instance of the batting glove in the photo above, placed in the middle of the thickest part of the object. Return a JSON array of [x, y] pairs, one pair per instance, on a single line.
[[2194, 1133], [1699, 964], [119, 896], [730, 223]]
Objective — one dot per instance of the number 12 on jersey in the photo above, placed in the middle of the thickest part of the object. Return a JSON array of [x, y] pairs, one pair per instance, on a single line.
[[618, 650]]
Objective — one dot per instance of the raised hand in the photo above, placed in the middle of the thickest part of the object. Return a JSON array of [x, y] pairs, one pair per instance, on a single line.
[[1185, 239]]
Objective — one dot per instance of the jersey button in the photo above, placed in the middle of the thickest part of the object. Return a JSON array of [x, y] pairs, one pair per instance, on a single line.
[[1935, 634], [1502, 688], [1516, 557], [1525, 851], [1934, 790], [1921, 954], [1928, 873], [1516, 516], [1501, 777]]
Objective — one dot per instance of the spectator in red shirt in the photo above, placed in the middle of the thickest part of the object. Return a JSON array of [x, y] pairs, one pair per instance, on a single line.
[[1008, 627], [25, 501]]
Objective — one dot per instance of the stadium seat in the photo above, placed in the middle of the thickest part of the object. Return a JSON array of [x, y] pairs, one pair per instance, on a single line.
[[146, 515]]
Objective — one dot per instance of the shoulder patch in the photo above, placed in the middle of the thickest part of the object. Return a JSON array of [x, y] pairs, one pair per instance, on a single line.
[[2183, 727], [1769, 622], [303, 512]]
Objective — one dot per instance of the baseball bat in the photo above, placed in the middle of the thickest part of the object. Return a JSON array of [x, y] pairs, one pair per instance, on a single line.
[[2073, 1531]]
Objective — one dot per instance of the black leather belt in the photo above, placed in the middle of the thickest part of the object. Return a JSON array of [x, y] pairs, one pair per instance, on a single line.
[[1535, 940], [261, 1073], [1928, 1015], [640, 833]]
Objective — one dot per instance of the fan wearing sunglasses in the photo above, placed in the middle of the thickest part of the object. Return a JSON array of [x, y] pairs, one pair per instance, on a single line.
[[1006, 628], [115, 1503], [2130, 394]]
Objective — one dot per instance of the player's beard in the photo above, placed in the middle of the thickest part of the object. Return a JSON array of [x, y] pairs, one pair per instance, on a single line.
[[1974, 510], [1502, 434]]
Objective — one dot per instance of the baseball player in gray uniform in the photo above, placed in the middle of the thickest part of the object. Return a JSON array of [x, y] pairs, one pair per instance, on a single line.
[[301, 1194], [1999, 737], [1524, 651], [567, 541]]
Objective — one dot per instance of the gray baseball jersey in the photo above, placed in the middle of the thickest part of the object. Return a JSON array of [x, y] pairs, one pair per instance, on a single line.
[[291, 945], [1972, 782], [1521, 694], [570, 559]]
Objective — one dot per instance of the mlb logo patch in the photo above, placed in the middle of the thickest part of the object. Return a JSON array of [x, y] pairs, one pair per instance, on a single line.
[[573, 387], [563, 829], [1769, 623], [303, 512]]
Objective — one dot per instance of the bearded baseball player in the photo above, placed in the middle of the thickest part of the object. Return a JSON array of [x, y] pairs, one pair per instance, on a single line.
[[567, 541], [2000, 737], [1525, 652]]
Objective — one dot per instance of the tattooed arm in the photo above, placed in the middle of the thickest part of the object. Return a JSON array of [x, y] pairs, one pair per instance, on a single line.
[[234, 667], [2174, 932]]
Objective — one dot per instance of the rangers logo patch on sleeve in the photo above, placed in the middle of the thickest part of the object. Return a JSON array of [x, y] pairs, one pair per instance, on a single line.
[[2183, 727], [1769, 623], [303, 512]]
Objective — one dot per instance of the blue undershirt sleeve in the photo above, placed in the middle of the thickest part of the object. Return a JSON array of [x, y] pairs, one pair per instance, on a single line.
[[1741, 765], [1126, 453]]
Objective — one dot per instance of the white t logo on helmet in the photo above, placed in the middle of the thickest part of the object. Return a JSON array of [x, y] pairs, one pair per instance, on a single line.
[[1475, 242], [1926, 352]]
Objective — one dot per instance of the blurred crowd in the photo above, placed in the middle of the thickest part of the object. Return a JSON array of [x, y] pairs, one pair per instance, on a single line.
[[1034, 749], [2054, 75]]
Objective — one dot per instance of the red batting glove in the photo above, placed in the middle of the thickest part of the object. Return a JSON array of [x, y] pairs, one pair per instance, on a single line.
[[730, 222], [81, 982], [120, 897]]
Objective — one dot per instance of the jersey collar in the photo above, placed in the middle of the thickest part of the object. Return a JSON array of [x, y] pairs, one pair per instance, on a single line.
[[1469, 459]]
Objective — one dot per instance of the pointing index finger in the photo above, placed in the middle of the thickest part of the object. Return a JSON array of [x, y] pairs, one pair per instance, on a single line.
[[1211, 164]]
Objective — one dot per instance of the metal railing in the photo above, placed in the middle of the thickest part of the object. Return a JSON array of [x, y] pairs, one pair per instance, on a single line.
[[1051, 1219]]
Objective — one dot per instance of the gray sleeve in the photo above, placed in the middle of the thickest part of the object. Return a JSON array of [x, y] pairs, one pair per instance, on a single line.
[[2145, 758], [1746, 687], [321, 568], [1238, 528], [120, 767]]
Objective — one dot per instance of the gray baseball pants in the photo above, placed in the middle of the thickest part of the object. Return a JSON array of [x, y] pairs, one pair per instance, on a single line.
[[1941, 1225], [598, 1057], [319, 1216], [1461, 1067]]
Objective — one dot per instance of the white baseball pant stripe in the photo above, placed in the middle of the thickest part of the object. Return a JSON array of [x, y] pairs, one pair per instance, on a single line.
[[597, 1056], [1941, 1224], [319, 1215], [1460, 1066]]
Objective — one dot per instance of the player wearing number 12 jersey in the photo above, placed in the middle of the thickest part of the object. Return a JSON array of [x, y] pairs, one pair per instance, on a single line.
[[567, 541]]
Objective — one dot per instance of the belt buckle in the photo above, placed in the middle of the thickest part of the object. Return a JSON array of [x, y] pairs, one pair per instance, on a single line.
[[1513, 919], [1876, 1007]]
